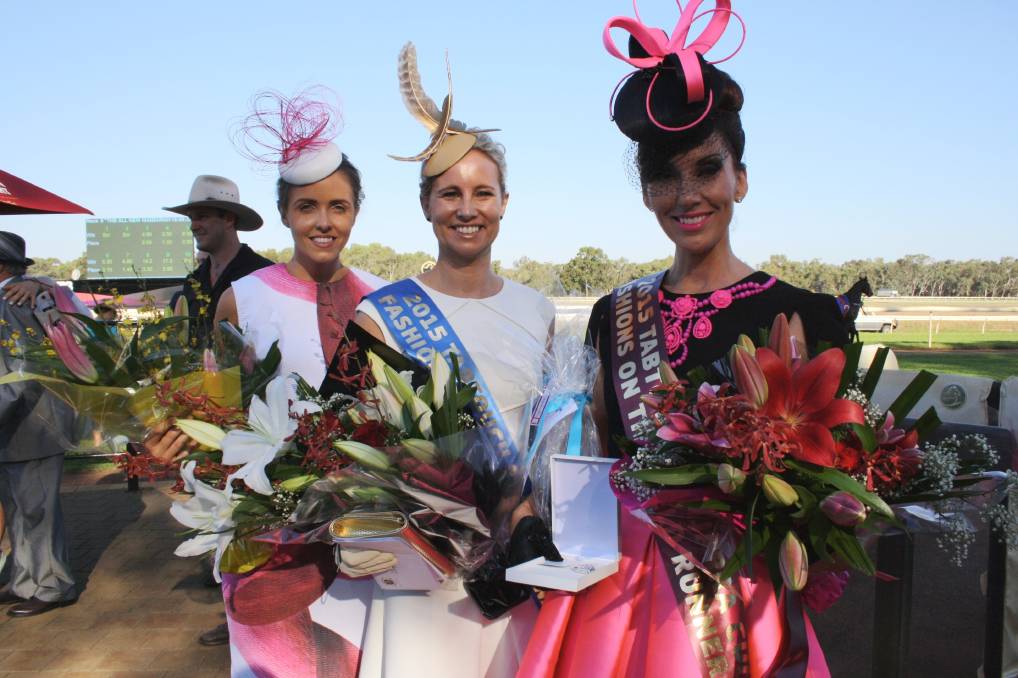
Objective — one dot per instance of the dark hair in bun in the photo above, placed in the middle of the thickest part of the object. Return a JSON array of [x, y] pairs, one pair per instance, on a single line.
[[670, 107]]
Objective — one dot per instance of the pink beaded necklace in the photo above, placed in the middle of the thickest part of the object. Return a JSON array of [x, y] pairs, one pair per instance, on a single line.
[[688, 315]]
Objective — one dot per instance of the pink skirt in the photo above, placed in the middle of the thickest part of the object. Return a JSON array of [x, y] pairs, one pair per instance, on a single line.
[[632, 625]]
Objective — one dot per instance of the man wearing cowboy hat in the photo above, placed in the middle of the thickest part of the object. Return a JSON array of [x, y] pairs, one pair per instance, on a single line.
[[35, 430], [216, 215]]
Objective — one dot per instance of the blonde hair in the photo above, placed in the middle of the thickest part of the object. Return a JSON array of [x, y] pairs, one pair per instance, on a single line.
[[485, 144]]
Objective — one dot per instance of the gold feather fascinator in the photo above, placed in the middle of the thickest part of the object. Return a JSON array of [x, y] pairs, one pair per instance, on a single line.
[[450, 139]]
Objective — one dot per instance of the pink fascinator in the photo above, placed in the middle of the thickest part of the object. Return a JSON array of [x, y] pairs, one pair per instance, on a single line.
[[295, 134]]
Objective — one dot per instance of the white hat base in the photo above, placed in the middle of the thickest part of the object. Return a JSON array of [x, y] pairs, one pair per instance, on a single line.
[[312, 165]]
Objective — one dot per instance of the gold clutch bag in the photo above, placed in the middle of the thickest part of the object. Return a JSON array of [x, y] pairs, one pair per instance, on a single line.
[[372, 530]]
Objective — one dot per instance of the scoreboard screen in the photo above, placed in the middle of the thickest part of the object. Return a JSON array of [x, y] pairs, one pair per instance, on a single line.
[[139, 248]]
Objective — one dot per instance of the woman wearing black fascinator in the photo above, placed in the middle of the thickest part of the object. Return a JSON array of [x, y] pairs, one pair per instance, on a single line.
[[660, 615]]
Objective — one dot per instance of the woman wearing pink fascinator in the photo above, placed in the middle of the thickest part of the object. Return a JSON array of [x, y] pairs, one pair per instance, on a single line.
[[660, 615]]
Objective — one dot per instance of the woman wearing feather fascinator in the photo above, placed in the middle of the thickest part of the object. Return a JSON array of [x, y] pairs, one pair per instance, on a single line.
[[500, 330]]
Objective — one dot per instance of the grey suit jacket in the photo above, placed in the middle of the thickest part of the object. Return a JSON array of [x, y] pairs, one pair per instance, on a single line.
[[33, 422]]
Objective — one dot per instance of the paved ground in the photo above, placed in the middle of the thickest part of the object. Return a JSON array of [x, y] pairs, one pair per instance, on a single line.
[[141, 608]]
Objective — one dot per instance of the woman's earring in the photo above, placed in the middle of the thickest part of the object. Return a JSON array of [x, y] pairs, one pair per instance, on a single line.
[[738, 199]]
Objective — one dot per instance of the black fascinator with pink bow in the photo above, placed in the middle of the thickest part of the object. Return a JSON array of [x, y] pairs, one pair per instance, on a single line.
[[675, 88]]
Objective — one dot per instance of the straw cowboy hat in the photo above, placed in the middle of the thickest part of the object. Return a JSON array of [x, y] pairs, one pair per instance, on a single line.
[[209, 190], [12, 249]]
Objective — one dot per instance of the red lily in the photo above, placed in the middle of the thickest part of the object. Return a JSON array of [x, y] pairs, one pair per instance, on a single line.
[[803, 398]]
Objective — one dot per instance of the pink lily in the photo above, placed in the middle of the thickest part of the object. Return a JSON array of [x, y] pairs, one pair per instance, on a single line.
[[749, 378], [682, 428], [69, 352]]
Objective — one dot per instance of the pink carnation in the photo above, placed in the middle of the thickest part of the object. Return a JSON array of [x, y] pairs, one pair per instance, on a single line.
[[824, 588]]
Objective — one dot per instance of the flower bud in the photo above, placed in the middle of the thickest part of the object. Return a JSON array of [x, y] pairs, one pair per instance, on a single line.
[[730, 479], [423, 451], [749, 377], [843, 508], [793, 562], [365, 454], [202, 432], [778, 492]]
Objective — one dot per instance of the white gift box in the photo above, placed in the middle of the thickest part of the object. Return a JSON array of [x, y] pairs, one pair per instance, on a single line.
[[584, 527]]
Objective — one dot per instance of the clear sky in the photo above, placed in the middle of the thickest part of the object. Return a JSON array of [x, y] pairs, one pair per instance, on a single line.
[[873, 128]]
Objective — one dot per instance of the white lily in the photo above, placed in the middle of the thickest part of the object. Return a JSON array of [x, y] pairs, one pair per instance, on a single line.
[[441, 373], [210, 511], [270, 435], [392, 390], [204, 433]]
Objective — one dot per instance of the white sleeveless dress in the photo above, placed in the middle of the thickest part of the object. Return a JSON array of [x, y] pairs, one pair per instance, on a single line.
[[442, 634], [274, 305]]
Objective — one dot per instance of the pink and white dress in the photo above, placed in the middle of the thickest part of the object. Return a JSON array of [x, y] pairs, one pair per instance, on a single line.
[[307, 318], [284, 625]]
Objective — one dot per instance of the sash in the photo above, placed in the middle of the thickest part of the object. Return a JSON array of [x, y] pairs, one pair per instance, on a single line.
[[637, 346], [417, 323]]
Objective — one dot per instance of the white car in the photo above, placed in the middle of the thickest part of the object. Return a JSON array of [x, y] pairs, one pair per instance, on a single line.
[[869, 322]]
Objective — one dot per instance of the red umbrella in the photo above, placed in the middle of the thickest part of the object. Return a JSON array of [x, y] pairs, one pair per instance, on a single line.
[[17, 196]]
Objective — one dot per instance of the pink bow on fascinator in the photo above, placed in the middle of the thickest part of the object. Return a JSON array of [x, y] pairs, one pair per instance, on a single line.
[[295, 134], [659, 46]]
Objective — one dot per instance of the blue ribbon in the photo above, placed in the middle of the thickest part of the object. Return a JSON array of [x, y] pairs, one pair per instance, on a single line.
[[574, 445], [420, 328]]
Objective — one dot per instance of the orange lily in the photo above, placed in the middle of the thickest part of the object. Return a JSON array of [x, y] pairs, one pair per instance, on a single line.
[[803, 398]]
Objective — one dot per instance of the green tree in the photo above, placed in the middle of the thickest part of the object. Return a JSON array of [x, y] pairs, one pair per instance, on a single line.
[[590, 273]]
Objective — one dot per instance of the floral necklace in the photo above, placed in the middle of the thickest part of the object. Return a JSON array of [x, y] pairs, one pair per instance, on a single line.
[[688, 315]]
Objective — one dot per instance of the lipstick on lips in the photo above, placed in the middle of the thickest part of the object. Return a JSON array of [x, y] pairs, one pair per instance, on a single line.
[[323, 241], [692, 222]]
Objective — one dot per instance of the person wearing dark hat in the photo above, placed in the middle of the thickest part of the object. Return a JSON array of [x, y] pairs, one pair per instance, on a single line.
[[216, 215], [35, 430]]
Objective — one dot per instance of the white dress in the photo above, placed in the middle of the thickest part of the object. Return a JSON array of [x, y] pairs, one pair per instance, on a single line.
[[274, 305], [442, 633]]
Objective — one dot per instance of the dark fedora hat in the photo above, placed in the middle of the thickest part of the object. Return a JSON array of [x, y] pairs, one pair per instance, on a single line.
[[12, 249]]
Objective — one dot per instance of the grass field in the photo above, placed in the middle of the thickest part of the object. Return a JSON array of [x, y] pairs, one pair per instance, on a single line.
[[997, 365], [916, 338], [960, 349]]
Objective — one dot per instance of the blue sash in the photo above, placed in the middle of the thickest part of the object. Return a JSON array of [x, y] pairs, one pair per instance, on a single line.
[[417, 323]]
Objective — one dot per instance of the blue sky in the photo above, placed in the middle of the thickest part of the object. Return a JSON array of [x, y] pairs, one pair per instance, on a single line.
[[874, 128]]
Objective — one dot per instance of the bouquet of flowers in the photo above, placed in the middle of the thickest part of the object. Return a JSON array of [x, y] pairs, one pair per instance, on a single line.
[[128, 380], [788, 461], [300, 463]]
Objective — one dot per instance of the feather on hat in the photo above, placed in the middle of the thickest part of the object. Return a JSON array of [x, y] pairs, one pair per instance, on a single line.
[[450, 139]]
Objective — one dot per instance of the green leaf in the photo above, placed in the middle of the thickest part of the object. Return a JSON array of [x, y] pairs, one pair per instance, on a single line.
[[807, 502], [847, 546], [912, 394], [286, 471], [750, 551], [867, 436], [251, 507], [297, 483], [848, 375], [689, 474], [927, 424], [876, 368], [819, 528], [105, 365], [839, 480]]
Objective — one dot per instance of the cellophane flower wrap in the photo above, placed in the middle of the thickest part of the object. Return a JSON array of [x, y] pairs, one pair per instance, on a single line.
[[128, 378], [787, 462], [301, 461], [563, 417]]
